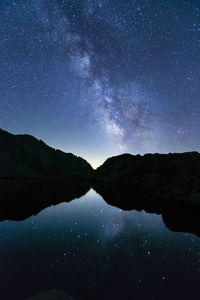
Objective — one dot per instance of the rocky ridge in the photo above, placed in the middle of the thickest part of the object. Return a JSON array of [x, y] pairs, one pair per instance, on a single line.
[[24, 156]]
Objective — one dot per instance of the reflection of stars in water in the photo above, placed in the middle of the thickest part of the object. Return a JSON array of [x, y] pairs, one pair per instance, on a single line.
[[123, 222], [114, 227], [133, 250], [114, 233]]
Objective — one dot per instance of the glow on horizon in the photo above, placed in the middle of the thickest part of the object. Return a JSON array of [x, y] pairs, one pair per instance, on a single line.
[[95, 162]]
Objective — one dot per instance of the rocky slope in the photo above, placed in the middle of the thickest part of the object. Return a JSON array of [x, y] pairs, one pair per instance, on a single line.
[[155, 176], [23, 156]]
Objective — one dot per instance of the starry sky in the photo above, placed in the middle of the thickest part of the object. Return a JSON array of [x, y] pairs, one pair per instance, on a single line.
[[102, 77]]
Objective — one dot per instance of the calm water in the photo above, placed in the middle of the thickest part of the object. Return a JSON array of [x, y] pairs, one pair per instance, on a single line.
[[95, 251]]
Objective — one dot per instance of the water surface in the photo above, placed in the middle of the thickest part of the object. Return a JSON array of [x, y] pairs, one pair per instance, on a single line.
[[95, 251]]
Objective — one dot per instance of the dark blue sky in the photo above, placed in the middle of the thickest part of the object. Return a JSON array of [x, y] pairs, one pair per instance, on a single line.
[[102, 77]]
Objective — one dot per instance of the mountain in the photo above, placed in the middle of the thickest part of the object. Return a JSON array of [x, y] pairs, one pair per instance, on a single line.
[[153, 176], [166, 184], [24, 156]]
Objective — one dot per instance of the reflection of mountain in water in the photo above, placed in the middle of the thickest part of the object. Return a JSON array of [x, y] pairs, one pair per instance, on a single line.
[[21, 199], [177, 215], [24, 198], [167, 184]]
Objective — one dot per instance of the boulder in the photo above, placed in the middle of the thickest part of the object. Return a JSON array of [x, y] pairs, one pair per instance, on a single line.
[[52, 295]]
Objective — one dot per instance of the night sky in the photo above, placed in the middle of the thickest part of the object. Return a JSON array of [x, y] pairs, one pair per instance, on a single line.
[[102, 77]]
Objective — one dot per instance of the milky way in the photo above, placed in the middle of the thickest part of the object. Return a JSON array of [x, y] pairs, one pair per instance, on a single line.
[[99, 78]]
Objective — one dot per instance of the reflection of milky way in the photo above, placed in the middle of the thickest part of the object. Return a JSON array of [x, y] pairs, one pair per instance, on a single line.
[[102, 77], [133, 222], [74, 246]]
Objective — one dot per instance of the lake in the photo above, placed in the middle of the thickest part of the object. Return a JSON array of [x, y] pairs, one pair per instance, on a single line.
[[92, 250]]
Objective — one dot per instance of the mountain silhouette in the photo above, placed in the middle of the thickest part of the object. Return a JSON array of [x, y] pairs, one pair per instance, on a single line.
[[173, 176], [24, 156], [166, 184]]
